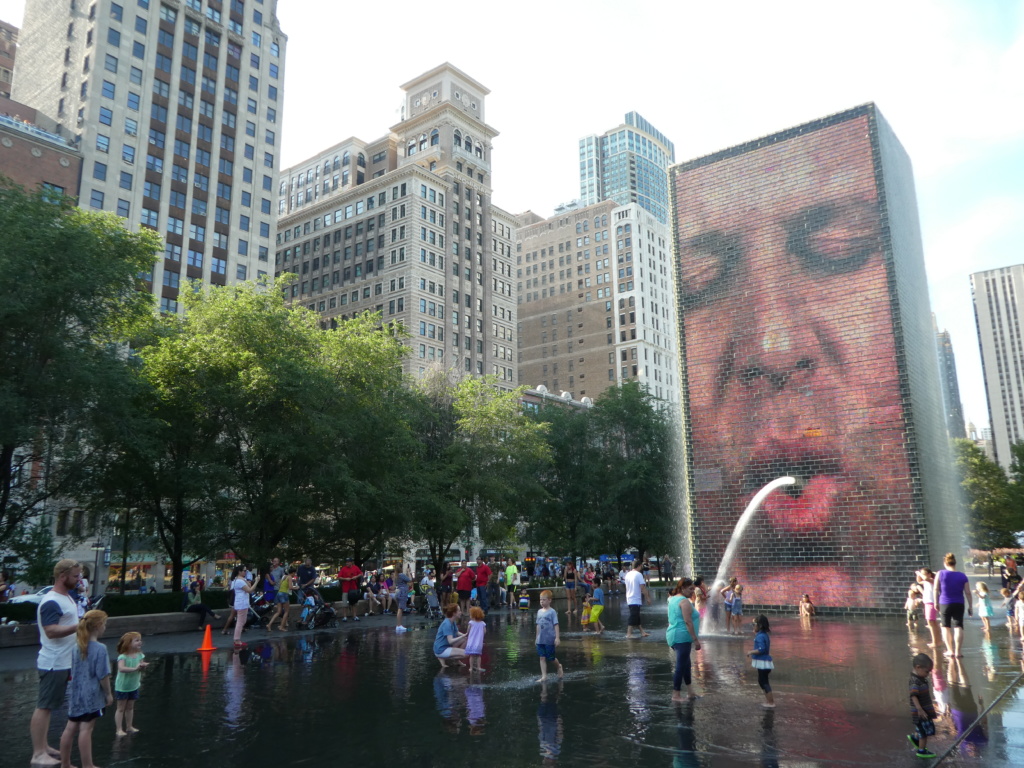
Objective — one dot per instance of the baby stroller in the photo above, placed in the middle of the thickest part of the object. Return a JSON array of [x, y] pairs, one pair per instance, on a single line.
[[433, 610], [259, 609], [316, 614]]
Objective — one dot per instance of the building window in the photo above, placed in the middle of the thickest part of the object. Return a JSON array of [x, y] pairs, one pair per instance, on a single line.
[[96, 199], [99, 171]]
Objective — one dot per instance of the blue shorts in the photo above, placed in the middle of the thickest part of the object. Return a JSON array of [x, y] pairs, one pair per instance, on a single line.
[[546, 651], [283, 597], [126, 695]]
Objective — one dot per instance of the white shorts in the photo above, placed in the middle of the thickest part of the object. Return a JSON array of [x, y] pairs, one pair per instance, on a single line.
[[445, 654]]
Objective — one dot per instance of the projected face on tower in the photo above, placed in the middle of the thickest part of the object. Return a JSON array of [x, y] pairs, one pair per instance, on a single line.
[[791, 363]]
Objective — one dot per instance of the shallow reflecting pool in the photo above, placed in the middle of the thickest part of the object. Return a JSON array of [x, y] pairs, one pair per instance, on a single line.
[[363, 692]]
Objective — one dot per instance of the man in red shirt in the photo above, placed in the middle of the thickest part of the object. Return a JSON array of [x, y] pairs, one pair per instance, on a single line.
[[483, 575], [348, 579], [464, 586]]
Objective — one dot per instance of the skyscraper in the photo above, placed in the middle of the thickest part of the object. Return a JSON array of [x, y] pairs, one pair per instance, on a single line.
[[176, 108], [998, 305], [628, 164], [808, 352], [405, 225], [595, 293], [950, 385], [8, 52]]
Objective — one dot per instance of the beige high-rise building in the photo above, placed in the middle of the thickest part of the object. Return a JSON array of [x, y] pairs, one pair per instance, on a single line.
[[595, 292], [176, 108], [404, 225]]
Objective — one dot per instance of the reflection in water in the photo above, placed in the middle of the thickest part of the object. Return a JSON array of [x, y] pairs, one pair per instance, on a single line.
[[636, 695], [964, 710], [769, 750], [687, 756], [549, 725], [476, 713], [234, 688]]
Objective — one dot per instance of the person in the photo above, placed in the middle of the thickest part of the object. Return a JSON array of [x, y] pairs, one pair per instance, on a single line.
[[570, 579], [761, 658], [241, 588], [922, 712], [597, 606], [666, 568], [1008, 574], [548, 637], [464, 586], [585, 614], [447, 584], [926, 579], [57, 617], [449, 643], [483, 576], [1008, 605], [785, 293], [130, 663], [736, 612], [307, 578], [493, 585], [682, 635], [281, 585], [700, 596], [475, 638], [6, 585], [985, 611], [726, 593], [402, 580], [90, 688], [511, 582], [636, 591], [196, 604], [952, 592], [806, 607], [81, 593], [913, 604], [348, 579]]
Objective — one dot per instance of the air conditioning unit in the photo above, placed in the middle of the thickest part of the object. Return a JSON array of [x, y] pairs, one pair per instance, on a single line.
[[131, 132]]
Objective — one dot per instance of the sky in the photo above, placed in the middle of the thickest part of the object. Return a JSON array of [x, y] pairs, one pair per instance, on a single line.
[[947, 75]]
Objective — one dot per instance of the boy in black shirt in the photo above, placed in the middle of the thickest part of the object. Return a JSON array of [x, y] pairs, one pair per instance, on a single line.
[[921, 709]]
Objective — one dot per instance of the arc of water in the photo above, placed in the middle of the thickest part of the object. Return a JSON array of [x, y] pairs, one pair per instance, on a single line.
[[741, 526]]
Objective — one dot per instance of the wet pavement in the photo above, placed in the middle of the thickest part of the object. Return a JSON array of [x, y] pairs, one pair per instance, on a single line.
[[362, 692]]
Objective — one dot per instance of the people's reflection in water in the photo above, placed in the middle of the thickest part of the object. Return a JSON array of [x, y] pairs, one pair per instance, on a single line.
[[234, 687], [549, 724], [444, 700], [476, 714], [686, 756], [939, 690], [964, 710], [769, 749]]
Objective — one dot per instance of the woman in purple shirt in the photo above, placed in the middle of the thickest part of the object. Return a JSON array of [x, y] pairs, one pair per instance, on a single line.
[[952, 591]]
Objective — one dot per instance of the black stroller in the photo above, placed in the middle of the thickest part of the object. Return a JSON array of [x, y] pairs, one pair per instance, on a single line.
[[316, 614], [260, 609]]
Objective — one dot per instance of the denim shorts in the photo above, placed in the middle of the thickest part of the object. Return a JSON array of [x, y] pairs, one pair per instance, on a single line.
[[546, 651]]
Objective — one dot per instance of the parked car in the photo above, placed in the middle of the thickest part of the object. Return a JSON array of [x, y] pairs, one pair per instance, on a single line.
[[35, 597]]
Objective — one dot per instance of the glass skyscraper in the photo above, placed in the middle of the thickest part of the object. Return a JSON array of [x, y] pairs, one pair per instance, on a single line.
[[628, 164]]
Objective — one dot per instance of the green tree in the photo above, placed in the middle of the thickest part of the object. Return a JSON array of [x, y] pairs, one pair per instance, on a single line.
[[69, 298], [639, 467], [477, 451], [988, 497]]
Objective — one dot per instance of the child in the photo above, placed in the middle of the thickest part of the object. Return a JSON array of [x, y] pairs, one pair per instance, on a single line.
[[737, 610], [921, 709], [585, 615], [913, 605], [1008, 605], [761, 658], [984, 605], [524, 600], [597, 606], [89, 690], [548, 636], [806, 607], [126, 686], [475, 643]]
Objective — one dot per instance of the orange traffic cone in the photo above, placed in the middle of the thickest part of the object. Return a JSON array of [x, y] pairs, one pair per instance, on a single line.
[[207, 641]]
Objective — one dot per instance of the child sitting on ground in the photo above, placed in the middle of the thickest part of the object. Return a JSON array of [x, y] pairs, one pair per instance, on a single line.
[[806, 607]]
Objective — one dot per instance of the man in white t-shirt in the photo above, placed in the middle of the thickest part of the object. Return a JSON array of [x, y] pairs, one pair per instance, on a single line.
[[636, 591], [57, 617]]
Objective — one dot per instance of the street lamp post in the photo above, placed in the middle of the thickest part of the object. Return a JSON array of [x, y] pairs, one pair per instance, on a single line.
[[97, 547]]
